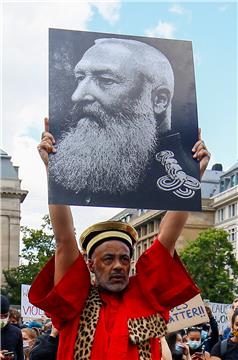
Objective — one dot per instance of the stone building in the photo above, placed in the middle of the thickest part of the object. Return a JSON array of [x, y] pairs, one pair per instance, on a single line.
[[11, 198], [147, 222], [225, 204]]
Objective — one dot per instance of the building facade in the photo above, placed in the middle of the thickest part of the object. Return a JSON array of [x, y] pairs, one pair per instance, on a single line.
[[11, 198], [219, 192], [225, 204]]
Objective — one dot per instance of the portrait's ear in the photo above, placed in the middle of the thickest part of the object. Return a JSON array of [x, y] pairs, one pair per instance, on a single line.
[[161, 99], [90, 265]]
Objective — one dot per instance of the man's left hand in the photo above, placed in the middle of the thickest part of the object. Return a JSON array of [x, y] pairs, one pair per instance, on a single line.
[[201, 153]]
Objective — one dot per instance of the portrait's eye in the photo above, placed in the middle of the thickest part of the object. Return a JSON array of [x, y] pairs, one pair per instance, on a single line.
[[79, 77], [105, 80]]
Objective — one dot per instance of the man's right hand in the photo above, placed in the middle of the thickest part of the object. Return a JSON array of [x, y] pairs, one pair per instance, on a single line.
[[46, 145]]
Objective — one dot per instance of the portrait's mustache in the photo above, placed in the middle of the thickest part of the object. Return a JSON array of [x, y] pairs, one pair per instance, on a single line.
[[95, 111], [98, 113]]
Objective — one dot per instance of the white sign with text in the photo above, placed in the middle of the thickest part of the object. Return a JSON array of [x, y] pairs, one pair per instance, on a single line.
[[191, 313], [27, 309]]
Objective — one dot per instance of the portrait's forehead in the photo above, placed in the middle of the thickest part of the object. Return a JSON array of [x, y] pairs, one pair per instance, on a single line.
[[105, 57]]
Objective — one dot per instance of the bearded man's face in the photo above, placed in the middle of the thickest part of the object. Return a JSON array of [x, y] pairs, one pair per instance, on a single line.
[[112, 133]]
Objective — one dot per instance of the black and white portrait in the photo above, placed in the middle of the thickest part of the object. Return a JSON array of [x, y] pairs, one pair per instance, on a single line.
[[123, 113]]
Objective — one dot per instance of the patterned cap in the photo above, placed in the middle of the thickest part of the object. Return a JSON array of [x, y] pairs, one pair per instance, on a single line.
[[106, 231]]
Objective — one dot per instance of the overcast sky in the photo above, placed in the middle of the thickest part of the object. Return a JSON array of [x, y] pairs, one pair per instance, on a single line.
[[212, 28]]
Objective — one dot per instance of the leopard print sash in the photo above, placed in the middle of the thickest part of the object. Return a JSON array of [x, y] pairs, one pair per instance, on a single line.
[[87, 326], [140, 329]]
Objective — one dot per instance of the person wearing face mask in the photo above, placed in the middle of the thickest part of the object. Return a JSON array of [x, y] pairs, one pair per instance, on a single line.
[[228, 349], [179, 349], [194, 341], [29, 337], [209, 331], [11, 337]]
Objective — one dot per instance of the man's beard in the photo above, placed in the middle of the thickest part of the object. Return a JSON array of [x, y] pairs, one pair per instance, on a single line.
[[105, 151]]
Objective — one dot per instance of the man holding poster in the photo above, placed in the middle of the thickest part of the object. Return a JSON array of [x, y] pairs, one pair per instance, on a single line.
[[121, 317]]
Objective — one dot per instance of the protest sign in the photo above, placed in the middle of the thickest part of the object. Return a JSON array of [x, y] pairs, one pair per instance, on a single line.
[[27, 309], [191, 313], [220, 312], [131, 146]]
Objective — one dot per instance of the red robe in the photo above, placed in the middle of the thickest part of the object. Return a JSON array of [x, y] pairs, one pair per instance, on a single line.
[[161, 283]]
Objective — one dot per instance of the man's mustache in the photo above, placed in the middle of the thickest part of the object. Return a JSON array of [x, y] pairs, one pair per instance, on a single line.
[[94, 111]]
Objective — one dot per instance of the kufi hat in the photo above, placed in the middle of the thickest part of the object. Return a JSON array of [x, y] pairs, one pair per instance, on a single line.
[[98, 233], [4, 304]]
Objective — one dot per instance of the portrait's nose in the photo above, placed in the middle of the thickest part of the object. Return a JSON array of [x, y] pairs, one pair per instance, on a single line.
[[84, 91]]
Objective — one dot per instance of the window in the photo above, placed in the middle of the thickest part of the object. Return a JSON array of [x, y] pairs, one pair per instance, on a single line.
[[151, 227], [222, 186], [227, 182], [143, 230], [221, 215], [232, 210], [139, 232], [233, 180], [128, 218], [145, 245], [138, 251]]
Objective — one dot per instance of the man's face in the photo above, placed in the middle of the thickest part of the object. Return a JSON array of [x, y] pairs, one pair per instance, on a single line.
[[110, 263], [107, 75], [112, 133]]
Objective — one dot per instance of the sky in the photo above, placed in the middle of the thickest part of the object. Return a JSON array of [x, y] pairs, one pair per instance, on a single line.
[[211, 26]]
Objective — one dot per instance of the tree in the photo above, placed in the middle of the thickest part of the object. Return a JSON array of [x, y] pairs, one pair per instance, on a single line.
[[212, 264], [37, 250]]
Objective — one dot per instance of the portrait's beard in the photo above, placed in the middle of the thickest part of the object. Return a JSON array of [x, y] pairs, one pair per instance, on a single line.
[[106, 151]]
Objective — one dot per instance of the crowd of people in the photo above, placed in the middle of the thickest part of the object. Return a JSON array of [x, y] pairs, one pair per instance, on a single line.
[[30, 340], [38, 339]]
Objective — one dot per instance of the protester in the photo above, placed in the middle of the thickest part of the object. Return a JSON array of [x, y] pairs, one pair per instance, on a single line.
[[196, 349], [14, 317], [29, 338], [122, 317], [227, 330], [209, 331], [46, 346], [227, 349], [178, 348], [11, 337]]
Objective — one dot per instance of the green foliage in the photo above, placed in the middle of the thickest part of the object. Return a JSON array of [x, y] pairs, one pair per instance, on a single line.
[[211, 262], [38, 248]]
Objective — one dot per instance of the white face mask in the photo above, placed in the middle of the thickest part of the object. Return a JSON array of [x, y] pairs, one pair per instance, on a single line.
[[4, 322], [26, 344]]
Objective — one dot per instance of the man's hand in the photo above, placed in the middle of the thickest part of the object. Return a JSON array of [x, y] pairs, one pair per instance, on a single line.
[[46, 145], [201, 153], [173, 222]]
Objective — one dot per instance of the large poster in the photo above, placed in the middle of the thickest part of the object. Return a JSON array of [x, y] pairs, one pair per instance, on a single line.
[[123, 113]]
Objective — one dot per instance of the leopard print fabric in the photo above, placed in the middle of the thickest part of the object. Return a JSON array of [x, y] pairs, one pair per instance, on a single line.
[[87, 326], [144, 350], [141, 330]]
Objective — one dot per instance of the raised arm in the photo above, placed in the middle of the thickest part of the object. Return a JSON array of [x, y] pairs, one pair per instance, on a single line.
[[61, 218], [173, 222]]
